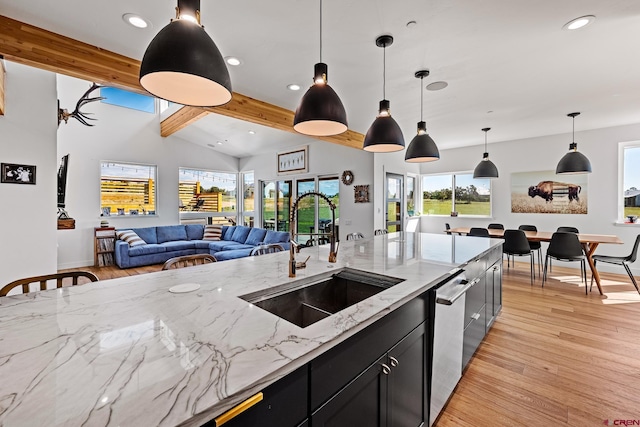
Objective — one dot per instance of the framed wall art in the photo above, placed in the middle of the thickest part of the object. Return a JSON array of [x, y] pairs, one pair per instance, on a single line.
[[361, 193], [546, 192], [17, 174], [296, 161]]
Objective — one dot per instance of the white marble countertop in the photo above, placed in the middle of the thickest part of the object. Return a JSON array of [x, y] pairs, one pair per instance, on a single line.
[[126, 352]]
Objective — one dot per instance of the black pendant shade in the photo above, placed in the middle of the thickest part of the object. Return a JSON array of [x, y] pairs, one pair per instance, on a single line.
[[486, 168], [384, 135], [422, 147], [183, 65], [320, 112], [573, 162]]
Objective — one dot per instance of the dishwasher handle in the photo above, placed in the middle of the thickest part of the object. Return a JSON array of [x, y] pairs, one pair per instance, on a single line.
[[462, 289]]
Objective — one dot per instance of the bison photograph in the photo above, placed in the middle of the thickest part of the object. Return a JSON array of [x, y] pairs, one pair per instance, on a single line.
[[546, 192]]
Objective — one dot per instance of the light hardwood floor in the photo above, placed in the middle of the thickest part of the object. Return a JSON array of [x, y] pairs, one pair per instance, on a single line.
[[554, 356]]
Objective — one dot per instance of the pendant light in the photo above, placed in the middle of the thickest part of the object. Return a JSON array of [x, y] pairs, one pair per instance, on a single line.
[[573, 162], [384, 135], [486, 168], [320, 112], [183, 65], [422, 148]]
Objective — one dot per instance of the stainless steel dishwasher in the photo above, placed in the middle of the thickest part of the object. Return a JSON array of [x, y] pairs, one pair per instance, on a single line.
[[447, 341]]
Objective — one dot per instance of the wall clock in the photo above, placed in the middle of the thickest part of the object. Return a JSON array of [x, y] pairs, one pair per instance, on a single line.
[[347, 177]]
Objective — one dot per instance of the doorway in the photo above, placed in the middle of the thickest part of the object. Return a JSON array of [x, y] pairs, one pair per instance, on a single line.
[[394, 185]]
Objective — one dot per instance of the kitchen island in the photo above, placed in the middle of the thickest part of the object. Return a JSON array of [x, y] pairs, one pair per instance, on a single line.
[[128, 352]]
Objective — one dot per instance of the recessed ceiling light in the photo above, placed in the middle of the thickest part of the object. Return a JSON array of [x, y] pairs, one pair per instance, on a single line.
[[252, 132], [411, 24], [437, 85], [219, 142], [293, 87], [211, 145], [232, 60], [135, 20], [581, 22]]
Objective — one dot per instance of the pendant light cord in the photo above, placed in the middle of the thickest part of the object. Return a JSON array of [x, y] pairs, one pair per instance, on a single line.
[[421, 99], [573, 132], [320, 30], [384, 72], [485, 141]]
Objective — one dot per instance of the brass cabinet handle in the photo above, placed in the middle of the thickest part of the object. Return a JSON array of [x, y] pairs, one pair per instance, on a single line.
[[385, 369], [238, 409], [393, 361]]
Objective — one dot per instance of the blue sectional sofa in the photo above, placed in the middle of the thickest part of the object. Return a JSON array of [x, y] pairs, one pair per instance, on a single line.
[[169, 241]]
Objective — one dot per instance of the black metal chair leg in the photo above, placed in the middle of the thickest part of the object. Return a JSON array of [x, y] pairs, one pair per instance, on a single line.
[[633, 280], [583, 275], [544, 271]]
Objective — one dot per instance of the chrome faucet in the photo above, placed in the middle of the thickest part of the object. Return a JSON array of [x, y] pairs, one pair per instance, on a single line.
[[293, 247]]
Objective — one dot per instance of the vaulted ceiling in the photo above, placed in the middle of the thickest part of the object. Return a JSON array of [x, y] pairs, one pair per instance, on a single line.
[[509, 65]]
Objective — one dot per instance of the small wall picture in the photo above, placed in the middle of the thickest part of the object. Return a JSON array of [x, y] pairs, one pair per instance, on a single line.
[[133, 211], [17, 174], [296, 161], [106, 211], [120, 211], [361, 193]]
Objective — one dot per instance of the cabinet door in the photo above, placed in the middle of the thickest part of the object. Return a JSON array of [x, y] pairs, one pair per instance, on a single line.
[[488, 282], [497, 287], [407, 397], [361, 403], [284, 404]]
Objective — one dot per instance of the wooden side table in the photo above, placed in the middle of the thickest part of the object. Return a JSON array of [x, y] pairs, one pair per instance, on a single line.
[[104, 246]]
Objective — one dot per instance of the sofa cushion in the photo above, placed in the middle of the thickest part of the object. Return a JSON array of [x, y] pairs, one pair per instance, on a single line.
[[223, 245], [240, 234], [148, 234], [256, 236], [130, 237], [233, 254], [179, 245], [194, 231], [201, 244], [170, 233], [212, 232], [147, 250], [276, 237], [227, 231]]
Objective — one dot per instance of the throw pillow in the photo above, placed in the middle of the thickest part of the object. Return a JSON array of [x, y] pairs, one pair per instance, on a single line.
[[130, 237], [212, 232]]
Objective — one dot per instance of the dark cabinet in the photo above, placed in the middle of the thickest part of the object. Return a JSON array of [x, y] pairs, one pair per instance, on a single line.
[[390, 392], [284, 404], [493, 280]]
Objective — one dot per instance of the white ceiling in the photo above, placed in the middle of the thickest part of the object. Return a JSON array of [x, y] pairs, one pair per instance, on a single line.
[[509, 64]]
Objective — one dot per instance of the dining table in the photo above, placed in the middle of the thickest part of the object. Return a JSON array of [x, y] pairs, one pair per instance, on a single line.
[[589, 242]]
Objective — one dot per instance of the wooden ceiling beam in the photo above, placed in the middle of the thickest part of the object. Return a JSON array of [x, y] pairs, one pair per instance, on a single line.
[[33, 46]]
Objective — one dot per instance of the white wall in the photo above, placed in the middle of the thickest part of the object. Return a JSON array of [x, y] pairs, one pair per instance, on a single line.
[[540, 154], [120, 135], [329, 159], [28, 136]]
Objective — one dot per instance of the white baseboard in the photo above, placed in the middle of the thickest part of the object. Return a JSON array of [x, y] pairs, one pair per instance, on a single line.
[[75, 264]]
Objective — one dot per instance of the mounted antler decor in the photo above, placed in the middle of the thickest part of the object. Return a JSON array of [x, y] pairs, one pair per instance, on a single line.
[[63, 114]]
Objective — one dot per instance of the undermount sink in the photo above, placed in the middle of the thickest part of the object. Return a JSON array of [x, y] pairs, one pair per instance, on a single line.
[[306, 303]]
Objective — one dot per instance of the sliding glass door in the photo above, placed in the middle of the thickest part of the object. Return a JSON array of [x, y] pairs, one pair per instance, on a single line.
[[276, 205], [395, 212]]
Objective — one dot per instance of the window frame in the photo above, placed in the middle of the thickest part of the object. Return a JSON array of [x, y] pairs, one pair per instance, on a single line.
[[127, 213], [453, 195], [212, 214], [622, 146]]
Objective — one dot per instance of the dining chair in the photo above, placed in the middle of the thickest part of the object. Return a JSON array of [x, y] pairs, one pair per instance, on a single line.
[[621, 260], [380, 231], [478, 232], [269, 249], [565, 246], [516, 244], [355, 236], [188, 261], [58, 277], [495, 226], [568, 230], [535, 246]]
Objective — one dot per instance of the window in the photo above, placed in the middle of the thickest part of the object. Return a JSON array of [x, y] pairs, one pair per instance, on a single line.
[[630, 179], [207, 191], [313, 210], [248, 199], [127, 189], [123, 98], [411, 195], [471, 196]]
